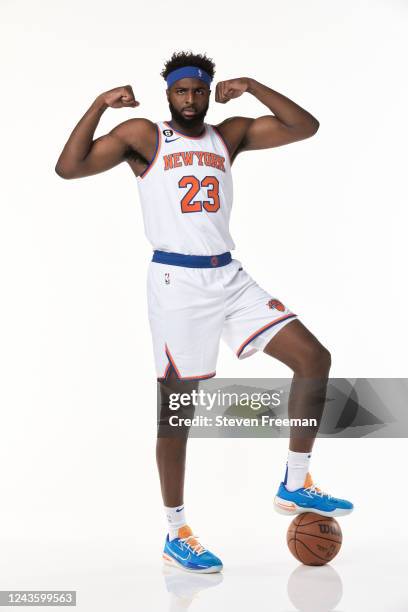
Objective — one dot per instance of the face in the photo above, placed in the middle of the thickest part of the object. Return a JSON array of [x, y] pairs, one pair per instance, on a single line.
[[188, 101]]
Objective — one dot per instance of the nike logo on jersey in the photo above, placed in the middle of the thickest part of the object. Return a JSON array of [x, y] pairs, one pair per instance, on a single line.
[[191, 158], [171, 139]]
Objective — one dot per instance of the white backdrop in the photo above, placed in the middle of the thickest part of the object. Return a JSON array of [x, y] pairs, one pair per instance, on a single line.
[[324, 229]]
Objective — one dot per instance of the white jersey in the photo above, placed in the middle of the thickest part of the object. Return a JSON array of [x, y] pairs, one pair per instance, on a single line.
[[186, 193]]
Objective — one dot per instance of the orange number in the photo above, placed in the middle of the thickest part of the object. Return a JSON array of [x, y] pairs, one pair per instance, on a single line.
[[188, 204], [211, 181]]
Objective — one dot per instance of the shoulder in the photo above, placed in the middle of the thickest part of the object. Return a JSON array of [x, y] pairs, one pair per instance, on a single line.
[[134, 130], [138, 136], [233, 132], [234, 124]]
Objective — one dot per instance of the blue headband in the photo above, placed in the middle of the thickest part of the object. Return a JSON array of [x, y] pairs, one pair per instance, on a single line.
[[188, 72]]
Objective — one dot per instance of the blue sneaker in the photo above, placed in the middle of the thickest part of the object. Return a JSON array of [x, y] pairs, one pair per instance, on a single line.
[[310, 498], [187, 553]]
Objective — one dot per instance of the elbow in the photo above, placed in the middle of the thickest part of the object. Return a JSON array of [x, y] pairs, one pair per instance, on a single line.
[[306, 129], [314, 127], [64, 173], [309, 130]]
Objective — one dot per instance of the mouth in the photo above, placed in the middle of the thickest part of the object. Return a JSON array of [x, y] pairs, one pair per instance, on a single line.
[[188, 112]]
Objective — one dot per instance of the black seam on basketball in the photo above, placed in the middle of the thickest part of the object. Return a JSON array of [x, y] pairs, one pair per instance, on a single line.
[[312, 535], [322, 518], [297, 554], [313, 553], [300, 518], [303, 515]]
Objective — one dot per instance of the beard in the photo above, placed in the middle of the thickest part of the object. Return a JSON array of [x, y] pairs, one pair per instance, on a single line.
[[188, 122]]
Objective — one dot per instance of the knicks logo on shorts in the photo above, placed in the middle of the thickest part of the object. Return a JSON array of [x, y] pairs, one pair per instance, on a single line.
[[276, 304]]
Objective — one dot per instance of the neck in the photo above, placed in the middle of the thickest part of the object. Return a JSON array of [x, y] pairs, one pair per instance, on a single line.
[[195, 130]]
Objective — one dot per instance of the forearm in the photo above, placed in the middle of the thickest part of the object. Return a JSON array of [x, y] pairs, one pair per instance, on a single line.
[[79, 143], [287, 111]]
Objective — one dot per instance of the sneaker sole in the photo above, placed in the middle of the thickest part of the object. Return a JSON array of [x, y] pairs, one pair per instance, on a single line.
[[173, 563], [283, 506]]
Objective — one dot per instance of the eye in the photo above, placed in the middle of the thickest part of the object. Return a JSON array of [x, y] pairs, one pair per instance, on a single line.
[[200, 91], [179, 91]]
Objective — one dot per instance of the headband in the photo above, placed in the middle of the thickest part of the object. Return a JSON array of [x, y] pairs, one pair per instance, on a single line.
[[186, 72]]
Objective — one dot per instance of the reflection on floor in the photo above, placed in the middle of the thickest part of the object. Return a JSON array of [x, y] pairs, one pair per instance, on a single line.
[[184, 587], [315, 589], [310, 589]]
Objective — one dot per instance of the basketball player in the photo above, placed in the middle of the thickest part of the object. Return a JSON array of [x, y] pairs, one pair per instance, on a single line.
[[196, 292]]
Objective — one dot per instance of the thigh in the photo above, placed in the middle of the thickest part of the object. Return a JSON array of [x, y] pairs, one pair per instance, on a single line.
[[253, 316], [186, 316]]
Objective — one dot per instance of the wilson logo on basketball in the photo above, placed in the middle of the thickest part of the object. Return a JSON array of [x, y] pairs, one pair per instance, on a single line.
[[277, 305], [324, 528]]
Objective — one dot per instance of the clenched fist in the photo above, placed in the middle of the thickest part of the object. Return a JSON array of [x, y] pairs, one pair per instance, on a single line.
[[233, 88], [119, 97]]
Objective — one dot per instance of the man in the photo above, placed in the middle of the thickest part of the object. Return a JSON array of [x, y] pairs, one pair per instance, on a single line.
[[196, 292]]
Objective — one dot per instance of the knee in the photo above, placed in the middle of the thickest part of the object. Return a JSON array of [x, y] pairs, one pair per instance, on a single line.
[[314, 360], [169, 405], [324, 359]]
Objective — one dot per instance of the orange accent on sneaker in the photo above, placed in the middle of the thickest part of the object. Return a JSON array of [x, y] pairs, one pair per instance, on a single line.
[[309, 482], [288, 506], [186, 532]]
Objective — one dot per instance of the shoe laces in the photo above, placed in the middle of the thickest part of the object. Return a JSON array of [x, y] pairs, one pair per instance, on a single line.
[[315, 490], [193, 543]]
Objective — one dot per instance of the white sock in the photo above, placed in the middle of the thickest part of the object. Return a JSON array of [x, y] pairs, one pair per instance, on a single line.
[[296, 470], [175, 518]]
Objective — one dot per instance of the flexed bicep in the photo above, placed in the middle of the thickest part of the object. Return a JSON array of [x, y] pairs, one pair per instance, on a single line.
[[106, 152], [268, 131], [113, 148]]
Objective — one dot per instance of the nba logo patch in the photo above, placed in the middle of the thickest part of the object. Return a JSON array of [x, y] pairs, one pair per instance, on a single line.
[[167, 278]]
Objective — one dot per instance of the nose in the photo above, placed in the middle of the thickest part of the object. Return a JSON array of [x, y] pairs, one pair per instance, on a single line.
[[189, 99]]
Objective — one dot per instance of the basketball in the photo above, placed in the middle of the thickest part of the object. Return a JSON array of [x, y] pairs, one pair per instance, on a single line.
[[314, 539]]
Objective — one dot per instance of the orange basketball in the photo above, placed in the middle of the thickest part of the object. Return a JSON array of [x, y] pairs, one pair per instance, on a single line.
[[314, 539]]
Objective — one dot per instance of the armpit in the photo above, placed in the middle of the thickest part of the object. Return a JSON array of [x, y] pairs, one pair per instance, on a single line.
[[132, 155]]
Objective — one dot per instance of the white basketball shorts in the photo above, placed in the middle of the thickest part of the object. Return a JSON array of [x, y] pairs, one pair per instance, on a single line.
[[190, 309]]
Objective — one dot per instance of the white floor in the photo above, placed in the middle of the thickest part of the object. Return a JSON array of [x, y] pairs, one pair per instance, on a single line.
[[109, 577], [105, 542], [369, 573]]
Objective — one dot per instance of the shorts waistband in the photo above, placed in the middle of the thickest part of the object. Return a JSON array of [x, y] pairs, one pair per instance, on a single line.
[[192, 261]]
